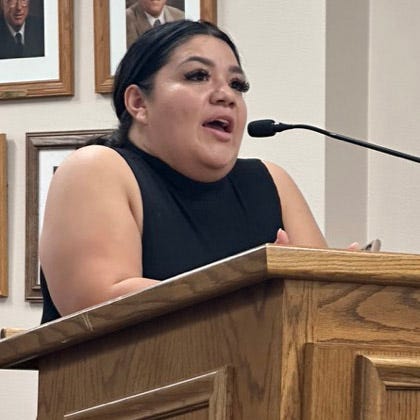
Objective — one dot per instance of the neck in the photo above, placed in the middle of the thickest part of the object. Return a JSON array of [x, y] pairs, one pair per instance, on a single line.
[[197, 172]]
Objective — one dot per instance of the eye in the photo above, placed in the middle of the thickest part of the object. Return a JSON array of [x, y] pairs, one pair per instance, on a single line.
[[199, 75], [240, 85]]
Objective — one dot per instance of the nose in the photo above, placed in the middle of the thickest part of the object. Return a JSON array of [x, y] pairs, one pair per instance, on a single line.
[[222, 94]]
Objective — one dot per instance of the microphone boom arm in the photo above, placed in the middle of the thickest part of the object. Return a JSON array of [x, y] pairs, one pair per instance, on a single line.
[[282, 127]]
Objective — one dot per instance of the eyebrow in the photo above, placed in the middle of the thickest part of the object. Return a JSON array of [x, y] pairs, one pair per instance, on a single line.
[[210, 63]]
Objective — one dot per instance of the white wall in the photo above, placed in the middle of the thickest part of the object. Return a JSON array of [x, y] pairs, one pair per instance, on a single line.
[[347, 67], [283, 49], [347, 50], [394, 120]]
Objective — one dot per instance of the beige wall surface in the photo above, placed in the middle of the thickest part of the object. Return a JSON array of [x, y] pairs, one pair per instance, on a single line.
[[394, 120], [350, 68]]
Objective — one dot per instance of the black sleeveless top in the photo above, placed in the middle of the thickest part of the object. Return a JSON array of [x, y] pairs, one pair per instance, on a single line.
[[187, 224]]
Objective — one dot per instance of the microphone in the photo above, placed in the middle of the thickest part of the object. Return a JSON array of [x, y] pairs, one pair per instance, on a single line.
[[267, 128]]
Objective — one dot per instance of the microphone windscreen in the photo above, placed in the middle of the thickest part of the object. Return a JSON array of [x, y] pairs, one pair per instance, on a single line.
[[261, 128]]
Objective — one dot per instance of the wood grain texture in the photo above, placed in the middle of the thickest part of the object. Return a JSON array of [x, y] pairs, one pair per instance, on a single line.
[[376, 376], [230, 274], [345, 266], [211, 391], [208, 10], [257, 312], [171, 295], [349, 381], [103, 78], [368, 313], [239, 329], [299, 317]]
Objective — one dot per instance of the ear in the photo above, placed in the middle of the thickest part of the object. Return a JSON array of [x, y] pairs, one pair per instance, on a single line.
[[135, 103]]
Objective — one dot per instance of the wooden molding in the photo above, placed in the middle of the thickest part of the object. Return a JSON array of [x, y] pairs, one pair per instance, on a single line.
[[211, 391], [375, 376]]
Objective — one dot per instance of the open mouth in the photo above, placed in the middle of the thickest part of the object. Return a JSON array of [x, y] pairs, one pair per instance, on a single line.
[[219, 124]]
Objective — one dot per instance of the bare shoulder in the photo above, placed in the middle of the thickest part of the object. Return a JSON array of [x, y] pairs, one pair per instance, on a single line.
[[298, 220], [94, 174], [286, 186], [93, 162], [280, 176], [93, 155]]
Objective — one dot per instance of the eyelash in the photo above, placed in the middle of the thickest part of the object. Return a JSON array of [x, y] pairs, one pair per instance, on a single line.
[[240, 85]]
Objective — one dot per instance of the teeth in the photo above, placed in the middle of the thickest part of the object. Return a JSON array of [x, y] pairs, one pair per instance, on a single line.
[[221, 124]]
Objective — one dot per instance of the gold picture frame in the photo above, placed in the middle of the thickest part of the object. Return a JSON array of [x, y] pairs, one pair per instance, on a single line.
[[63, 85], [4, 289], [103, 77], [53, 146]]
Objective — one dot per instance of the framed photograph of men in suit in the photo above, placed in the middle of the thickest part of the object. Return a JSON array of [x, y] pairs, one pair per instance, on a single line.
[[36, 48], [118, 22]]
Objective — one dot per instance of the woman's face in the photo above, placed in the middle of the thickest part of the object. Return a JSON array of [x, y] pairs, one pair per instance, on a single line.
[[195, 116]]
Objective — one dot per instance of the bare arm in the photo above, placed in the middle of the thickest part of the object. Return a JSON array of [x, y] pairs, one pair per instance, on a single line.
[[299, 223], [90, 245]]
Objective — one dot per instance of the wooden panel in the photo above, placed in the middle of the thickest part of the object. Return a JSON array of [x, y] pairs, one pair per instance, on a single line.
[[226, 275], [377, 378], [355, 312], [345, 266], [299, 315], [240, 330], [184, 290], [240, 312], [338, 312], [211, 392], [348, 381]]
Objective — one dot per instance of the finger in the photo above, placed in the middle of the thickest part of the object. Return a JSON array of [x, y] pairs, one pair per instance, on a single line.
[[355, 246], [282, 238]]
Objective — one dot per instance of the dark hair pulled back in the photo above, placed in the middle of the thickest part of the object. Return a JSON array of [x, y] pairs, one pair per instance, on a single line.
[[145, 57]]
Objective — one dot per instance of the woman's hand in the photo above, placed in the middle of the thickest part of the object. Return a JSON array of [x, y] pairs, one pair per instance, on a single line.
[[282, 238], [355, 246]]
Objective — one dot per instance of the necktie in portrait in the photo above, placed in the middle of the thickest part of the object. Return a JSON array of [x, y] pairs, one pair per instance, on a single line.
[[19, 44]]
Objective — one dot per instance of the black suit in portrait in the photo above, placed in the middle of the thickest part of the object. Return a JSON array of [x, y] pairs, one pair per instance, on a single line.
[[34, 39]]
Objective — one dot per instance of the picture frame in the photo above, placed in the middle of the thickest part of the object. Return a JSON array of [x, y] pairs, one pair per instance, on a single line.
[[4, 289], [102, 35], [51, 74], [44, 152]]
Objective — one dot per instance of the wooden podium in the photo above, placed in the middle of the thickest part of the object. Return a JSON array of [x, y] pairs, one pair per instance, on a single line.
[[273, 333]]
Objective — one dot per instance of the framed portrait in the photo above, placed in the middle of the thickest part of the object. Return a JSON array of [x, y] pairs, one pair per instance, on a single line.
[[3, 218], [44, 153], [40, 63], [111, 37]]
